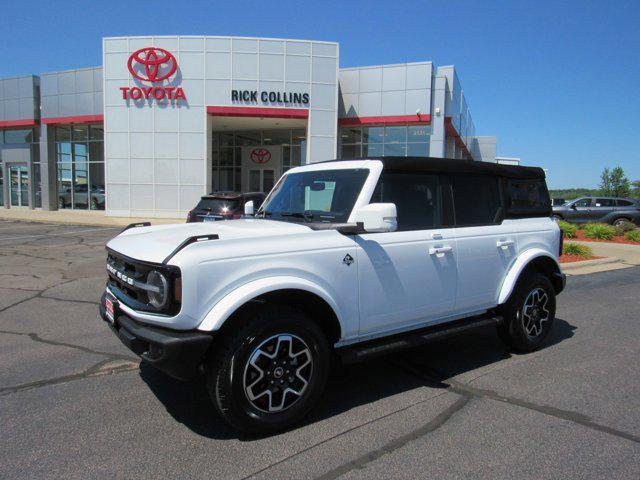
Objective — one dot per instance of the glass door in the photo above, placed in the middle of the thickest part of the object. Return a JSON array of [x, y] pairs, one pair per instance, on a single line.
[[261, 180], [19, 185]]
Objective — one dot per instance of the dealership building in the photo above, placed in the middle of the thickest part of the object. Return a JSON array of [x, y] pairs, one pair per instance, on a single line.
[[168, 119]]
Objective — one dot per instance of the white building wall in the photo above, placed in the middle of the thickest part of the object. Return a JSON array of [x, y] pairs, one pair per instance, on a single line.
[[156, 152]]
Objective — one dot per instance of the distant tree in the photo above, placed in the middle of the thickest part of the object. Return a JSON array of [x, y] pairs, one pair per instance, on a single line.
[[636, 189], [614, 183]]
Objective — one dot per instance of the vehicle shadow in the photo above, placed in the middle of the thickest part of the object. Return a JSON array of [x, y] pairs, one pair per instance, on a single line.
[[351, 386]]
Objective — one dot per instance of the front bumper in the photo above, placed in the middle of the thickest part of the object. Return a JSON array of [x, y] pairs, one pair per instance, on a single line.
[[176, 353]]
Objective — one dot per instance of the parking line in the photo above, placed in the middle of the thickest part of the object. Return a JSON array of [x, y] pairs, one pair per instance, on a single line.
[[60, 234]]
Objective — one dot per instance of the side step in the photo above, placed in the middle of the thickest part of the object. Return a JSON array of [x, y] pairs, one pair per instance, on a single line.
[[382, 346]]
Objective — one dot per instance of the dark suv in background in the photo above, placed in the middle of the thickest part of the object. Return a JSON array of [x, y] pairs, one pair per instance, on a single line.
[[223, 206], [599, 209]]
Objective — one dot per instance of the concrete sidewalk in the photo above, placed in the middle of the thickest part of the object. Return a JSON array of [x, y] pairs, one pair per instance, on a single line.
[[617, 256], [77, 217]]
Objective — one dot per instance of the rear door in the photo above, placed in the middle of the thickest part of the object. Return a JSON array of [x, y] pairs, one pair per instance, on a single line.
[[408, 277], [487, 245], [601, 208]]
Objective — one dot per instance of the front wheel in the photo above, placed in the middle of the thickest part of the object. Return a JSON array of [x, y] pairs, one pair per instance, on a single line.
[[271, 372], [529, 313]]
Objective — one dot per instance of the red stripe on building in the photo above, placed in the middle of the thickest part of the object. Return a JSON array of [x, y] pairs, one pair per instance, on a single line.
[[75, 119], [18, 123], [389, 120], [258, 112], [451, 131]]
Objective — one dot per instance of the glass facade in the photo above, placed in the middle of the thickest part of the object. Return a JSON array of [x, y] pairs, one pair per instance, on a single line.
[[18, 181], [403, 140], [79, 151], [226, 153]]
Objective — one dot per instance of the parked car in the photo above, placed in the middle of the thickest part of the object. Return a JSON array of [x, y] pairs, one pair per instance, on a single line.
[[351, 258], [223, 206], [556, 202], [599, 209]]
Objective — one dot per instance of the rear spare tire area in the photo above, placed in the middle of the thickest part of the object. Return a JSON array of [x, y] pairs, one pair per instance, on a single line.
[[528, 313], [268, 374]]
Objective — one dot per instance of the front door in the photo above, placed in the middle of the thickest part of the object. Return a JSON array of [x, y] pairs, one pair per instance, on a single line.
[[407, 277], [19, 185], [262, 166], [580, 211]]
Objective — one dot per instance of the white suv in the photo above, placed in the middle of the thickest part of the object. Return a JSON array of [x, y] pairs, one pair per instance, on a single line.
[[346, 258]]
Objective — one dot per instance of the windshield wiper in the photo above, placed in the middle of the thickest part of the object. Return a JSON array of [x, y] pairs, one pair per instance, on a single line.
[[306, 215]]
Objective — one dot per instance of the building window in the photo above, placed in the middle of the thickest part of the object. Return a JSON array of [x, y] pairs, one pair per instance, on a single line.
[[79, 151], [385, 141], [226, 153]]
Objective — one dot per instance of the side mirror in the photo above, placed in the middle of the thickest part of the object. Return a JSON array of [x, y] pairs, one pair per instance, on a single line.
[[573, 206], [248, 208], [378, 217]]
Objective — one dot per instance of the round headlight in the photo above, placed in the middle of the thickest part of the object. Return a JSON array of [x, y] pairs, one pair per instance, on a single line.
[[159, 294]]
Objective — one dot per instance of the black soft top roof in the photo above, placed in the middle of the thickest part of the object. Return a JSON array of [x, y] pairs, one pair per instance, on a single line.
[[450, 165]]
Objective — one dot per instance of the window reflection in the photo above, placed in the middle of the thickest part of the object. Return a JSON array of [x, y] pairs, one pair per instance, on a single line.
[[400, 140]]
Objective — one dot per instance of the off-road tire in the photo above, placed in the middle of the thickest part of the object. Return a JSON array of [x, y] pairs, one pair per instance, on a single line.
[[513, 331], [225, 372]]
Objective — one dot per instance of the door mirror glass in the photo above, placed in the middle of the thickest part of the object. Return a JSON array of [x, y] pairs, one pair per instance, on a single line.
[[249, 208], [378, 217]]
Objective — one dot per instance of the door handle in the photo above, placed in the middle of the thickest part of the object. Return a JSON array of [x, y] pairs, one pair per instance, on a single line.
[[504, 243], [440, 250]]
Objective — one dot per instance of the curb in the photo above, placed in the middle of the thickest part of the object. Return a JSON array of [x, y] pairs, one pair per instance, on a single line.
[[588, 263]]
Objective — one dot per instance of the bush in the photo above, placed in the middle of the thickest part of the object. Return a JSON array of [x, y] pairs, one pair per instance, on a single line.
[[599, 231], [625, 227], [568, 229], [576, 249], [634, 235]]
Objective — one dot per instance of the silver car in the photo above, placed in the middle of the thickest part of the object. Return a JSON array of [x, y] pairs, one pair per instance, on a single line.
[[599, 209]]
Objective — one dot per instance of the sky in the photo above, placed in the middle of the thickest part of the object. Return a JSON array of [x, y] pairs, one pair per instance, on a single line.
[[558, 82]]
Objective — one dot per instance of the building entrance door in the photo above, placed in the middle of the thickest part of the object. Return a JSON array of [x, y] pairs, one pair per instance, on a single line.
[[19, 186], [262, 166]]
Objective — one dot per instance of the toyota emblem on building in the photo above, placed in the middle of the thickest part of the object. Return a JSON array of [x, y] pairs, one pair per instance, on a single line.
[[152, 64], [260, 155]]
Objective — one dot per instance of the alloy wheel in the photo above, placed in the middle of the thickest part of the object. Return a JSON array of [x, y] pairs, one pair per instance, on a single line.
[[278, 373], [535, 311]]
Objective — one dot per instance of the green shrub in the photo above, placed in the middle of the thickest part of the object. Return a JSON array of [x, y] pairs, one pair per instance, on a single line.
[[600, 231], [634, 235], [576, 249], [625, 227], [568, 229]]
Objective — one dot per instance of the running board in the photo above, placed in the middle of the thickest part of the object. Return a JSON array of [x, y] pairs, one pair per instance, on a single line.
[[374, 348]]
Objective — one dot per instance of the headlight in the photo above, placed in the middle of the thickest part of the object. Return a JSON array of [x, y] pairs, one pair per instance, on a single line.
[[159, 292]]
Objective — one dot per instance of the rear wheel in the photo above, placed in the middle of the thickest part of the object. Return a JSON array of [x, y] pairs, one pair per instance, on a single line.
[[529, 313], [621, 221], [270, 373]]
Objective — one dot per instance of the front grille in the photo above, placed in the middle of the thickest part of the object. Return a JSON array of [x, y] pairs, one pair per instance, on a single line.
[[127, 278]]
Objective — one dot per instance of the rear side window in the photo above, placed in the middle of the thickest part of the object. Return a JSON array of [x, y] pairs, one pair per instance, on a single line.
[[476, 200], [416, 197], [625, 203], [605, 202], [527, 197], [218, 204]]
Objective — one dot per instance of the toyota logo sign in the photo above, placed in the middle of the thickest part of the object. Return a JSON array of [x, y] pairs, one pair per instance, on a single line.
[[260, 155], [152, 64], [157, 64]]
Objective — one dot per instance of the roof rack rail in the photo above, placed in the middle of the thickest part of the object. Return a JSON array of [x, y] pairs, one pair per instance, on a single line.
[[189, 241], [134, 225]]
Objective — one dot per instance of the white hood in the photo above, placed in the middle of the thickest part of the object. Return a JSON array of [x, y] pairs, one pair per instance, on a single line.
[[154, 244]]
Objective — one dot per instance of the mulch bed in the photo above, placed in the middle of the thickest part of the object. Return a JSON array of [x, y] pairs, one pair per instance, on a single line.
[[569, 258], [580, 236]]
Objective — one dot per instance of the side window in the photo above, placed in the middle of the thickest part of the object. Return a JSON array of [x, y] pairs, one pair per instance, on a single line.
[[624, 203], [528, 197], [605, 202], [416, 198], [476, 200], [585, 202]]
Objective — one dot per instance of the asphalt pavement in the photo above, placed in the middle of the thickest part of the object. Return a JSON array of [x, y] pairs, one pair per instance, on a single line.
[[75, 403]]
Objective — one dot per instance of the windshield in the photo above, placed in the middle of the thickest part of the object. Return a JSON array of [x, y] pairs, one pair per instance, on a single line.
[[326, 196]]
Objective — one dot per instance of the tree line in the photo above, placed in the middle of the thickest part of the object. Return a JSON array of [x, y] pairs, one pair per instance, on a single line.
[[613, 183]]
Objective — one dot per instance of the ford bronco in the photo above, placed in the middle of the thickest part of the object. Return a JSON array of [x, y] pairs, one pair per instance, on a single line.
[[345, 259]]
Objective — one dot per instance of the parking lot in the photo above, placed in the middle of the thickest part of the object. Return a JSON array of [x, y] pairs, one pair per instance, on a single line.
[[75, 403]]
